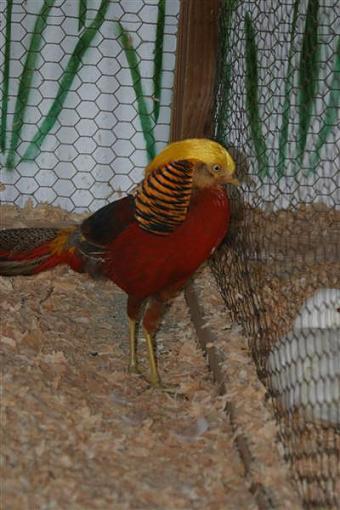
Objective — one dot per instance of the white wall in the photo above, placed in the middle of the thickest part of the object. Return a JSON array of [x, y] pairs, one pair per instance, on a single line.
[[96, 149]]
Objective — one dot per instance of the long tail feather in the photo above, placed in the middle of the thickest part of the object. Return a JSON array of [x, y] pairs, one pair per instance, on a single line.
[[26, 251], [21, 267]]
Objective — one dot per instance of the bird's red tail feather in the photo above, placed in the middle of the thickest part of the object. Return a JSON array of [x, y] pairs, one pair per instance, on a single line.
[[28, 251]]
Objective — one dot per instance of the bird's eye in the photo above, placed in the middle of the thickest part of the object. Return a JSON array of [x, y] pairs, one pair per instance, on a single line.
[[216, 168]]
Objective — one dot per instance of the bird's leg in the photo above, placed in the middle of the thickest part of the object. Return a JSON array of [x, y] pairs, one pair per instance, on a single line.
[[133, 310], [133, 365], [154, 375], [152, 318], [151, 321]]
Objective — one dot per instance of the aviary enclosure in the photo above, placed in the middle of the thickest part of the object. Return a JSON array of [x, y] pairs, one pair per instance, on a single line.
[[86, 101]]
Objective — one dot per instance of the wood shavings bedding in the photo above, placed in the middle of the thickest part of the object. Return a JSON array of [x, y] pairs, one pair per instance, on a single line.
[[78, 431], [244, 397]]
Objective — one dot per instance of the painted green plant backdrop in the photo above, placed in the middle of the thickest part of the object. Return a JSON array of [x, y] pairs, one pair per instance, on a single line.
[[303, 70], [148, 119], [10, 139], [308, 71]]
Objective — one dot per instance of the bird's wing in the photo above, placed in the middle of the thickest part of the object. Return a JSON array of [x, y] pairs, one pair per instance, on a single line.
[[93, 238], [102, 227]]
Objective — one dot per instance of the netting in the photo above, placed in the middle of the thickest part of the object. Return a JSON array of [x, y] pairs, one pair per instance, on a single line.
[[279, 271], [85, 97]]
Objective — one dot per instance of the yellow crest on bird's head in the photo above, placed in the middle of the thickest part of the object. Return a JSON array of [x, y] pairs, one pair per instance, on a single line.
[[202, 149]]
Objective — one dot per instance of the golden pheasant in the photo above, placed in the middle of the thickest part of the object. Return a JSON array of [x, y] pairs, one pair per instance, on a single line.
[[148, 243]]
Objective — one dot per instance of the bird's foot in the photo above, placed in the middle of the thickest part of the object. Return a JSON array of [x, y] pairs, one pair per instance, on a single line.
[[133, 369], [165, 388]]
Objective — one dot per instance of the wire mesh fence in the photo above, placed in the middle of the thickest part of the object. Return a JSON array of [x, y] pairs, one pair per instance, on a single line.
[[278, 108], [86, 92]]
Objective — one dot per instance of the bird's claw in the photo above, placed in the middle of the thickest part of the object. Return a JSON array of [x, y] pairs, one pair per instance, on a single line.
[[168, 389], [133, 369]]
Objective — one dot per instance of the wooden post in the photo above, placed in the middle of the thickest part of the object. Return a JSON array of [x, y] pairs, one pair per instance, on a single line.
[[195, 69]]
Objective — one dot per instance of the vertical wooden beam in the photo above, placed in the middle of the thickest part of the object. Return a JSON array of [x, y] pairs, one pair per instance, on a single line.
[[195, 69]]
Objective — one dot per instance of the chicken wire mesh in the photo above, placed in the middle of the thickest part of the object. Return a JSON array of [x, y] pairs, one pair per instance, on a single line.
[[279, 271], [85, 99]]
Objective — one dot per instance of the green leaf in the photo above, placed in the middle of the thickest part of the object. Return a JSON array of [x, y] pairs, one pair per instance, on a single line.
[[65, 83], [82, 14], [144, 115], [308, 75], [5, 76], [331, 116], [283, 137], [158, 59], [252, 98], [26, 79]]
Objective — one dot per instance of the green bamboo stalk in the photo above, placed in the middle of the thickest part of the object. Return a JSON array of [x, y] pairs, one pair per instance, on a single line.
[[283, 137], [5, 76], [144, 115], [308, 75], [252, 97], [331, 115], [26, 79], [158, 59], [82, 14], [70, 72]]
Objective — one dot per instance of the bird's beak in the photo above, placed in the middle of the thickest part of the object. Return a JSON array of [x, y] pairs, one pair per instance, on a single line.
[[231, 167], [232, 180]]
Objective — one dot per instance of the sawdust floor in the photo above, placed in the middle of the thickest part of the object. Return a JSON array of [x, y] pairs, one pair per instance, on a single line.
[[79, 432]]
